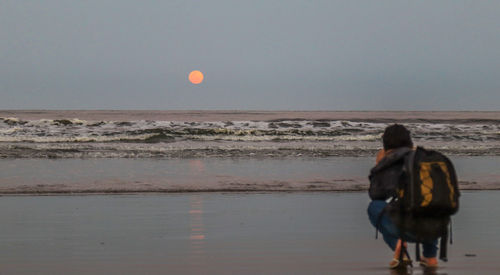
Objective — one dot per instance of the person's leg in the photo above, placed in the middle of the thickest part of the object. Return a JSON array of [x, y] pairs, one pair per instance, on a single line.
[[430, 249], [389, 231], [429, 258]]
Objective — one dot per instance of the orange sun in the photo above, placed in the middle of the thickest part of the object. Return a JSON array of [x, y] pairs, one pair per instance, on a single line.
[[195, 77]]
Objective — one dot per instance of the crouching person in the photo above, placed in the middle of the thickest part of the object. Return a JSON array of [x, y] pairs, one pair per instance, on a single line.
[[385, 180]]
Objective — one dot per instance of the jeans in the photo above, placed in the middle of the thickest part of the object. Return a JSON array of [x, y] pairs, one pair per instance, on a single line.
[[391, 233]]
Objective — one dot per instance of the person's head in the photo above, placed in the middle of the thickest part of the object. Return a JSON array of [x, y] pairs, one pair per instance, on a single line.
[[396, 136]]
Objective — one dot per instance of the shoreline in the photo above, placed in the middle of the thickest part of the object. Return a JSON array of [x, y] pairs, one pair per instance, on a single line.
[[269, 115], [24, 153], [86, 192]]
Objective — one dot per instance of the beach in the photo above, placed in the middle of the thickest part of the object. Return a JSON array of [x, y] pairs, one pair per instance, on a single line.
[[224, 192], [223, 233]]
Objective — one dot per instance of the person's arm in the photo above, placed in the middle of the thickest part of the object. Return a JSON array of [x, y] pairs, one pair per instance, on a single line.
[[381, 183], [376, 190], [380, 156]]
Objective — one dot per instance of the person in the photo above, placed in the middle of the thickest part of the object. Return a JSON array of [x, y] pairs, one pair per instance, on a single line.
[[397, 144]]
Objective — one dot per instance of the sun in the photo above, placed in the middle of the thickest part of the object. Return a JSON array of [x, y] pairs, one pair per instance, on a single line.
[[195, 77]]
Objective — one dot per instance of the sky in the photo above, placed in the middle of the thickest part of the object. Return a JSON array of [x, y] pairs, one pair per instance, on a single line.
[[255, 55]]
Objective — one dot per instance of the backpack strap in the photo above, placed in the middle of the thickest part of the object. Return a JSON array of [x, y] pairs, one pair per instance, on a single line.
[[443, 247], [411, 172], [417, 251], [451, 232], [379, 219]]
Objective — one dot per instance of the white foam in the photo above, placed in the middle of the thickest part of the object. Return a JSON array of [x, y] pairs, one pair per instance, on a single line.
[[10, 131], [15, 119], [103, 136], [55, 139]]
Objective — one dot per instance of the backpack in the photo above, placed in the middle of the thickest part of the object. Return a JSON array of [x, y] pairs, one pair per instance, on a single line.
[[426, 198]]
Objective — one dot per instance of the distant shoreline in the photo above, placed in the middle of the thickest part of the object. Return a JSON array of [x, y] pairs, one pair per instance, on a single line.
[[234, 115]]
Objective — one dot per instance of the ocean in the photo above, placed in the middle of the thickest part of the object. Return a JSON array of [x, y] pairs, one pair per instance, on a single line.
[[167, 151]]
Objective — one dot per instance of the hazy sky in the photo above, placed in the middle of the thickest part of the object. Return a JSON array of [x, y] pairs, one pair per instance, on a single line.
[[286, 54]]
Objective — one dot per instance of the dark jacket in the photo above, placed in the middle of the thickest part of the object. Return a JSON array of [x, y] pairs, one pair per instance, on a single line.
[[386, 176]]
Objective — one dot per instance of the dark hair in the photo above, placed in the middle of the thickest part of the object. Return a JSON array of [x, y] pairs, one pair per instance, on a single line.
[[396, 136]]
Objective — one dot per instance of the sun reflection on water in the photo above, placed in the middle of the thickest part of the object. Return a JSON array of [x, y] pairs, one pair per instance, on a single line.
[[197, 234]]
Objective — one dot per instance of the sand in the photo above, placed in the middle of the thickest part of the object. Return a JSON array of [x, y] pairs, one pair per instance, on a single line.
[[42, 176], [219, 233]]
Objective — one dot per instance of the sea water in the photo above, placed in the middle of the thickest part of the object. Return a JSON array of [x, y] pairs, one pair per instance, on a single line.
[[156, 134], [160, 151]]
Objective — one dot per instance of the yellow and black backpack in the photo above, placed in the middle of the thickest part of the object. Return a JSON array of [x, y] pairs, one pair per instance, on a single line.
[[427, 198]]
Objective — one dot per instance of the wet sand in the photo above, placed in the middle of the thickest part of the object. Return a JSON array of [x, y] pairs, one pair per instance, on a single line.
[[221, 233], [35, 176]]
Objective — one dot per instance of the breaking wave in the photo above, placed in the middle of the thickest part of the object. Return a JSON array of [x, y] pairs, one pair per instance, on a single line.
[[144, 138]]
